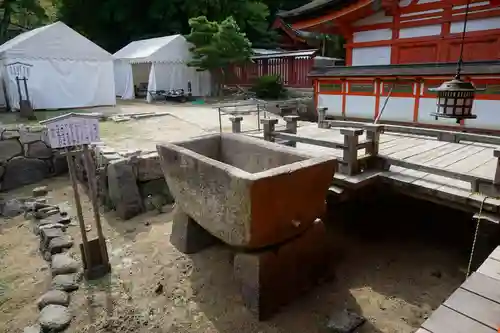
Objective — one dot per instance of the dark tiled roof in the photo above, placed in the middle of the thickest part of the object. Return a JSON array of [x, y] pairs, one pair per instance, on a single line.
[[469, 68], [313, 7]]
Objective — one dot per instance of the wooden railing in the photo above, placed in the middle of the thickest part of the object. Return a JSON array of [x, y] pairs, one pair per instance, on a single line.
[[351, 163]]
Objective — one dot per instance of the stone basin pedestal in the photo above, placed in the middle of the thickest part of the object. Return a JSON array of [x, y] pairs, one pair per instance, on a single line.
[[264, 200]]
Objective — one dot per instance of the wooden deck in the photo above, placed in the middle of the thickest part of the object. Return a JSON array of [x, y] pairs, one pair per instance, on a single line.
[[471, 158], [474, 307]]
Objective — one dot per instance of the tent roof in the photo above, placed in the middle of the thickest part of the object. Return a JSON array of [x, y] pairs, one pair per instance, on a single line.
[[173, 48], [53, 41]]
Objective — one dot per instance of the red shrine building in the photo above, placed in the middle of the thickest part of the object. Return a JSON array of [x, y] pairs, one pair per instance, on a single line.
[[408, 46]]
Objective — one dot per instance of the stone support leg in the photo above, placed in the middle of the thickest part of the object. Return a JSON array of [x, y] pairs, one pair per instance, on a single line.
[[188, 236], [274, 277]]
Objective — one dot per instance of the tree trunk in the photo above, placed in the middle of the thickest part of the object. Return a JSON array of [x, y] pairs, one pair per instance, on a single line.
[[5, 22]]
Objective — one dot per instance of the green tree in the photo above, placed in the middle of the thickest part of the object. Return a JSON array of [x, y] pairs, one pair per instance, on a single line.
[[28, 13], [217, 46]]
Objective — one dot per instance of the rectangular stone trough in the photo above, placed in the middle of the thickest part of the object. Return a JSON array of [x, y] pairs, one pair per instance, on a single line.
[[247, 192]]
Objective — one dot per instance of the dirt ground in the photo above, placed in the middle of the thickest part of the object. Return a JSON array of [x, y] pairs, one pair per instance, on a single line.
[[393, 284]]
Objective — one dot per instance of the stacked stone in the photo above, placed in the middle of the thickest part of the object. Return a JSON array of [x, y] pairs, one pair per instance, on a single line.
[[50, 225], [26, 157], [130, 182]]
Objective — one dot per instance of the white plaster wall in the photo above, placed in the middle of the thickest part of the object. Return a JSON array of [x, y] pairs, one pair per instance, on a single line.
[[397, 108], [427, 30], [378, 55], [360, 107], [372, 35], [428, 105], [476, 25], [378, 17], [487, 115], [332, 102]]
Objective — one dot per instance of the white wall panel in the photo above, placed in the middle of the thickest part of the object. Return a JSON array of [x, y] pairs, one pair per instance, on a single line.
[[332, 102], [488, 115], [378, 55], [360, 107], [426, 107], [398, 108], [376, 18], [372, 35], [476, 25], [426, 30]]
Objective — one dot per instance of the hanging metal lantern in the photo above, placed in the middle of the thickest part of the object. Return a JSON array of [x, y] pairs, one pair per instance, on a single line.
[[455, 99]]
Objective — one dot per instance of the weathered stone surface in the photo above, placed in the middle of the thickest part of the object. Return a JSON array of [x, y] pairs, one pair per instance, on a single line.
[[9, 149], [23, 171], [37, 149], [28, 137], [59, 244], [40, 191], [247, 202], [53, 297], [63, 264], [33, 329], [66, 282], [11, 208], [2, 170], [56, 218], [157, 189], [54, 318], [10, 134], [344, 322], [148, 167], [46, 235], [59, 165], [188, 236], [276, 276], [37, 229], [42, 214], [123, 190]]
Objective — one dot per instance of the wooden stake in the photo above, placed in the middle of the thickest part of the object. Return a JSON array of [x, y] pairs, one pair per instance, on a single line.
[[91, 177], [72, 175]]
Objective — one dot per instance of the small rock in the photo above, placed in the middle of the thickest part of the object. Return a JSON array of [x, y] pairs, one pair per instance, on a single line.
[[59, 244], [47, 256], [159, 289], [40, 191], [33, 329], [56, 218], [23, 171], [88, 227], [63, 264], [37, 229], [54, 318], [345, 322], [147, 223], [37, 149], [46, 235], [53, 297], [66, 282], [12, 208]]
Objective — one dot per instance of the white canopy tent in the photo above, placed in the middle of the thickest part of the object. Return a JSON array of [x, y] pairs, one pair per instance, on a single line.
[[162, 64], [63, 69]]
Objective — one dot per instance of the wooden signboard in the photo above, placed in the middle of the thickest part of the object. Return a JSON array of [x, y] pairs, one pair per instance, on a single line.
[[71, 131]]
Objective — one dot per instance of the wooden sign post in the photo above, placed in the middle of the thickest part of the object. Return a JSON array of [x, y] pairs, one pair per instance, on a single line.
[[74, 132]]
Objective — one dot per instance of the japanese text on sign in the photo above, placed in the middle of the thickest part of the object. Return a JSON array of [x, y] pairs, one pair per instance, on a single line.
[[73, 131]]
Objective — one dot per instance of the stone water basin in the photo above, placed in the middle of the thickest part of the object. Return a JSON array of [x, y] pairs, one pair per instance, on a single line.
[[247, 192]]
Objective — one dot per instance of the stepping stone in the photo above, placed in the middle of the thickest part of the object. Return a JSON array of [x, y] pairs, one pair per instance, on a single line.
[[33, 329], [56, 218], [66, 282], [59, 244], [45, 213], [54, 318], [36, 228], [345, 322], [53, 297], [46, 235], [63, 264], [40, 191]]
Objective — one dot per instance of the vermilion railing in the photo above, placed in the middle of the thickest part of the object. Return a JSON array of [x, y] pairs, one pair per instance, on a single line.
[[292, 70]]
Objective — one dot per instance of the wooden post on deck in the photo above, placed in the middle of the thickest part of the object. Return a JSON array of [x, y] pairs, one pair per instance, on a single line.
[[349, 164], [269, 126], [322, 118], [291, 127], [236, 123], [373, 132]]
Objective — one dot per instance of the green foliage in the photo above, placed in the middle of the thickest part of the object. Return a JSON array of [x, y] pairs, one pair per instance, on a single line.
[[26, 13], [269, 87], [217, 46]]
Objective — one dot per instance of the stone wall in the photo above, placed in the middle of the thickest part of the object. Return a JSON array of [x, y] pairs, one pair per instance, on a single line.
[[26, 157], [129, 182]]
